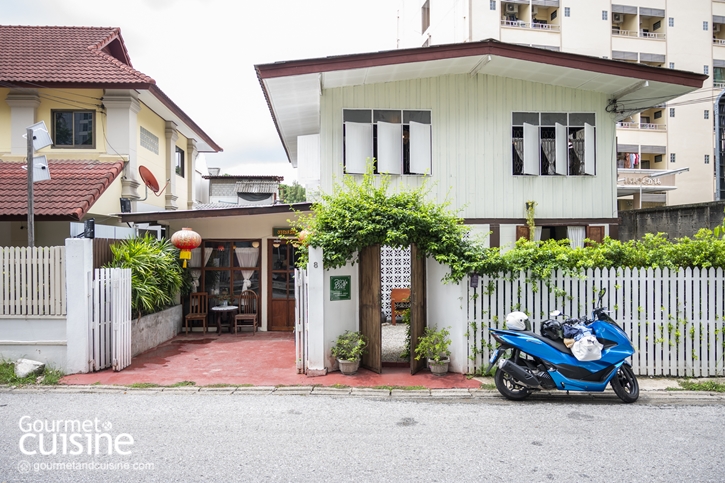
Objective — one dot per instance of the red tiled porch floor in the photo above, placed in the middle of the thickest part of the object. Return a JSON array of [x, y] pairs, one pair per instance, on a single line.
[[264, 359]]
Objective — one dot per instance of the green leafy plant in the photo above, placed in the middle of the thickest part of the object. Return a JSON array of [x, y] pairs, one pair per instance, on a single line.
[[349, 346], [49, 376], [406, 320], [365, 211], [433, 345], [156, 273]]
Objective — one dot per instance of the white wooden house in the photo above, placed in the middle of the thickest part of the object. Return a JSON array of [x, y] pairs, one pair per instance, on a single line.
[[493, 125]]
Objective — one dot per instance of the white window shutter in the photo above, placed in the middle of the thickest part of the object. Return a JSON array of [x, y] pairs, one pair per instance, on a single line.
[[358, 146], [390, 148], [420, 148], [531, 149], [562, 150], [589, 150]]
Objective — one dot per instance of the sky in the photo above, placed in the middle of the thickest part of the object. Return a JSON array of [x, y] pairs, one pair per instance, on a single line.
[[202, 55]]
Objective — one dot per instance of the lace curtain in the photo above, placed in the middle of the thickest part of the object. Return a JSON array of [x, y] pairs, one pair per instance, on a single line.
[[247, 257], [576, 235], [195, 264]]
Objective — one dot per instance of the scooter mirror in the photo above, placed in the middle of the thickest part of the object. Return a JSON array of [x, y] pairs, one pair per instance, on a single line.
[[555, 313]]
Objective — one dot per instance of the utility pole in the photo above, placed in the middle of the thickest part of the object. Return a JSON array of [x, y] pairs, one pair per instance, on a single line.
[[31, 166]]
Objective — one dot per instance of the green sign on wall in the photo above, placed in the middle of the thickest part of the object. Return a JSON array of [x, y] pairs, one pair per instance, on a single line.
[[340, 287]]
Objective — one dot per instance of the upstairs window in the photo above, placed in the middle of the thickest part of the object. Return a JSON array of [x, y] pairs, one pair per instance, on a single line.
[[179, 161], [545, 144], [492, 5], [73, 129], [567, 11], [425, 16], [398, 140]]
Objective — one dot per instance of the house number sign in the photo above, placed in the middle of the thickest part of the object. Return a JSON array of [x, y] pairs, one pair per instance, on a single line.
[[340, 287]]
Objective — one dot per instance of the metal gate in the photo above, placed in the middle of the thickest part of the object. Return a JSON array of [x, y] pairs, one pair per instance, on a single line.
[[301, 300], [110, 318]]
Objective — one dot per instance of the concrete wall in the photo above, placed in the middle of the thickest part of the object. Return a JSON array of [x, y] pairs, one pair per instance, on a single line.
[[40, 338], [447, 306], [154, 329], [676, 221]]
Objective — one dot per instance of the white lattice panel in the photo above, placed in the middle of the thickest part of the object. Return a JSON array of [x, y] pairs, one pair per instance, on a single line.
[[394, 273]]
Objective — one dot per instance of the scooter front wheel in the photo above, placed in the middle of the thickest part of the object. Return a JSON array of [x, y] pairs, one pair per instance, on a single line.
[[509, 387], [625, 384]]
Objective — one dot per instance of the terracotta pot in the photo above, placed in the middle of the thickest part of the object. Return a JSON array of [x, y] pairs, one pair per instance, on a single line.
[[349, 367]]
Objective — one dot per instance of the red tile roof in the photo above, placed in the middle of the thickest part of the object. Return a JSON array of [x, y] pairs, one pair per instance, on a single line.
[[70, 193], [66, 56]]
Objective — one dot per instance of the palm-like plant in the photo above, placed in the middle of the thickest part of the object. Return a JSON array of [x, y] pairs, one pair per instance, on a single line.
[[156, 274]]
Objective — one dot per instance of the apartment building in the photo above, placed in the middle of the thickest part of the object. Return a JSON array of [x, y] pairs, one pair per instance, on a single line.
[[666, 153]]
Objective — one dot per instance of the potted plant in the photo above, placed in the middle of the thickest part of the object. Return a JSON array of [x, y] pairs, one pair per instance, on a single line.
[[348, 350], [434, 346]]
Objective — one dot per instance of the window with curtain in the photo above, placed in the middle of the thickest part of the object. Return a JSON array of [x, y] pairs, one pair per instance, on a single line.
[[399, 141], [229, 268]]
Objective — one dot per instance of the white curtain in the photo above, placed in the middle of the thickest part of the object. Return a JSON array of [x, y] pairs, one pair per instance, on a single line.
[[576, 235], [195, 264], [537, 233], [247, 257]]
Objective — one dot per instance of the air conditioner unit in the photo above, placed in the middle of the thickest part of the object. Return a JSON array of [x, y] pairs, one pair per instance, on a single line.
[[617, 18], [716, 27], [512, 8]]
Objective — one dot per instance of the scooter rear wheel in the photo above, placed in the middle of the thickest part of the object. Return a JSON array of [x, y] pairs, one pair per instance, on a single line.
[[625, 384], [509, 387]]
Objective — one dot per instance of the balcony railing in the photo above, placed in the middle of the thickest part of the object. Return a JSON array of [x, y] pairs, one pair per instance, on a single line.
[[642, 125], [637, 33], [526, 25], [718, 41], [718, 85]]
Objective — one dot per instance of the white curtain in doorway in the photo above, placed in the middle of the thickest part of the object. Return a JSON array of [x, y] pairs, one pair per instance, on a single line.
[[576, 235], [195, 264], [247, 257], [537, 233]]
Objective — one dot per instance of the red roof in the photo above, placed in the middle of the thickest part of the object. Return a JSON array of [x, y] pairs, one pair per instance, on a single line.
[[70, 193], [66, 55]]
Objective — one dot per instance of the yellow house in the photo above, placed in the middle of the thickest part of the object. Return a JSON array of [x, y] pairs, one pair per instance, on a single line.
[[107, 122]]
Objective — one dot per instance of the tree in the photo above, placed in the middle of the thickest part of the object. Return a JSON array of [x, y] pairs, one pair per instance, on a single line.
[[294, 193]]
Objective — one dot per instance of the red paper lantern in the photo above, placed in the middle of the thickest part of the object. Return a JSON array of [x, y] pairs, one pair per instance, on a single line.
[[186, 240]]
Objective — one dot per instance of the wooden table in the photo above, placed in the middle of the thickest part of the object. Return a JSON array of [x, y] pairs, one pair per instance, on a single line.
[[222, 309]]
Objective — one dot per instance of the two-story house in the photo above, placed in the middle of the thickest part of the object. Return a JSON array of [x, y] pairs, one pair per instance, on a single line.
[[106, 120]]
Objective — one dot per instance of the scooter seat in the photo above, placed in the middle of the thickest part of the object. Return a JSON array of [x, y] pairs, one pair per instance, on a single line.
[[558, 345]]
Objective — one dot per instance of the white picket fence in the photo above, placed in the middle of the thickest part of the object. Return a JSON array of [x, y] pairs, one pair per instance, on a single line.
[[110, 318], [32, 281], [301, 300], [673, 317]]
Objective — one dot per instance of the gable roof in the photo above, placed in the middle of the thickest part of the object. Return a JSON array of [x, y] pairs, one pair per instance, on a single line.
[[85, 58], [293, 88], [74, 187]]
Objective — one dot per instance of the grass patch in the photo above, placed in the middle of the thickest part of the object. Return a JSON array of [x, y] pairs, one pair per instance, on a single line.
[[708, 386], [143, 385], [489, 387], [340, 386], [221, 385], [183, 384], [49, 377]]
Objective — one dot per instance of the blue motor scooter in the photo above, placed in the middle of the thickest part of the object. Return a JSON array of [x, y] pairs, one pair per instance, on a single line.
[[530, 362]]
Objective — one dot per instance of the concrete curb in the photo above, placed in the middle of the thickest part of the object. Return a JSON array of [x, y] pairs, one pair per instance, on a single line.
[[658, 395]]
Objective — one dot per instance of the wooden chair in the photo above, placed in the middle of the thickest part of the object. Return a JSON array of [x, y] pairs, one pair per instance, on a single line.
[[398, 296], [198, 309], [248, 311]]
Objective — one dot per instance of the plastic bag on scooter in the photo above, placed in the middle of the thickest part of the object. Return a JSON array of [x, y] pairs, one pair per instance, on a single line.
[[587, 348]]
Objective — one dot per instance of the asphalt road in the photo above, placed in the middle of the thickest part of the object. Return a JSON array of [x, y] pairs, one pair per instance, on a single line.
[[184, 437]]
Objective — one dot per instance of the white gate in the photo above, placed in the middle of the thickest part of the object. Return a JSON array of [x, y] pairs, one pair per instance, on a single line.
[[301, 300], [110, 318]]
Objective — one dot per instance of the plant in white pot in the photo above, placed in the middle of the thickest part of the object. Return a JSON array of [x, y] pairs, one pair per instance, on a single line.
[[348, 350], [434, 346]]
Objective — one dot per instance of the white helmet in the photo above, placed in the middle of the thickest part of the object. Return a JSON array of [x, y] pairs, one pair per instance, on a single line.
[[518, 321]]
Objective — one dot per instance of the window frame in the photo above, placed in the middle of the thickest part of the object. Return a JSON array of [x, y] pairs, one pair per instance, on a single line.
[[230, 268], [492, 5], [567, 11], [531, 139], [671, 22], [377, 131], [73, 112], [179, 161], [706, 114], [605, 15]]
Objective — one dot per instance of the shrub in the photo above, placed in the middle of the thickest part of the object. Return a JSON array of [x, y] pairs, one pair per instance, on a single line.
[[433, 345], [156, 274], [350, 346]]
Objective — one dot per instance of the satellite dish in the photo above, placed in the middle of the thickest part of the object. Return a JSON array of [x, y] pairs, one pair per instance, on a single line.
[[150, 181]]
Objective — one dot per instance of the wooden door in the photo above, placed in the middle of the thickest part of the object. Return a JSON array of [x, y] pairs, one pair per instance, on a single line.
[[418, 319], [370, 288], [281, 286]]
